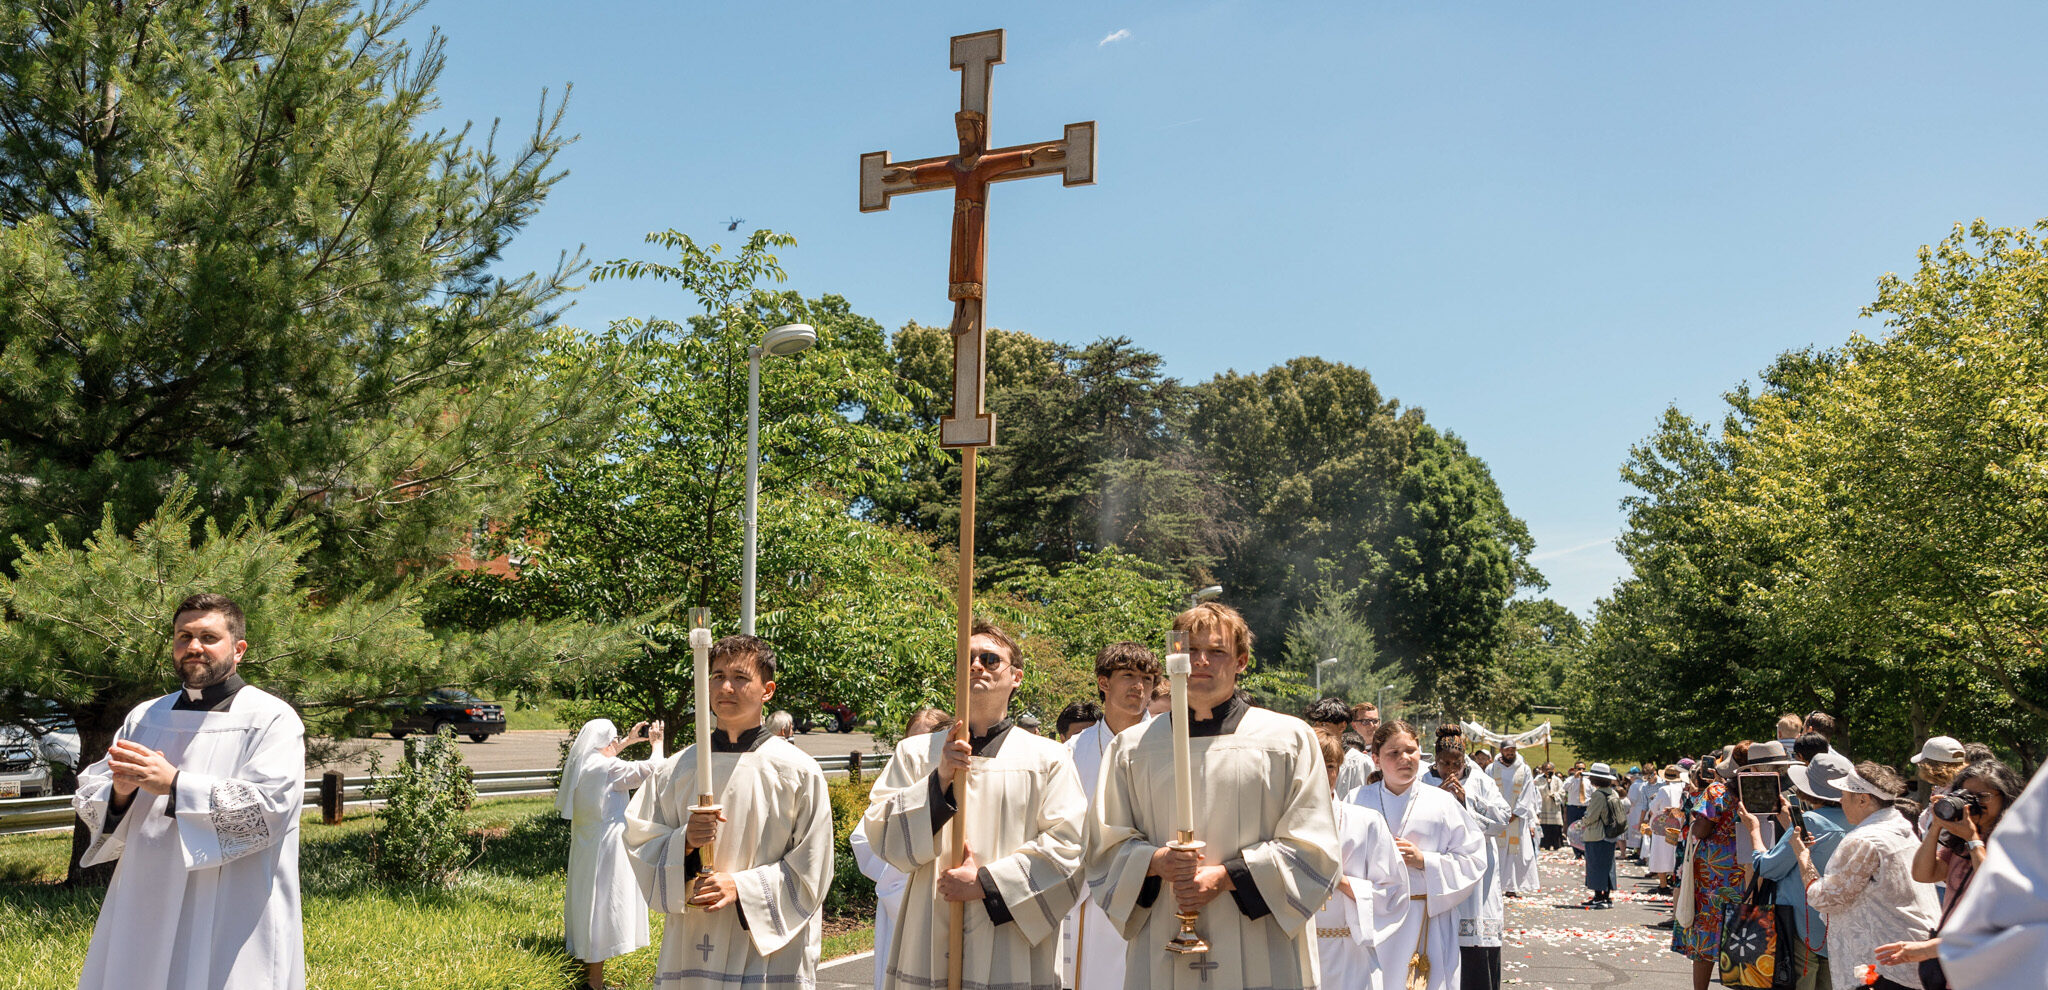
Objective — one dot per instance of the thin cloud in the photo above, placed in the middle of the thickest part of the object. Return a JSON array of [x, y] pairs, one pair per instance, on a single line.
[[1541, 556], [1114, 36]]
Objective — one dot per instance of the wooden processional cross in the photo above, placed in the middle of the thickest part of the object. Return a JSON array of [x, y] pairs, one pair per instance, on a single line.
[[969, 426]]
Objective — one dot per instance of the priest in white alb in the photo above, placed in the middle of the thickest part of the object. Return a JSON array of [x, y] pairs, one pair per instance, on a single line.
[[1264, 814], [198, 800], [754, 919], [1124, 675], [1515, 842], [1443, 850], [1022, 816]]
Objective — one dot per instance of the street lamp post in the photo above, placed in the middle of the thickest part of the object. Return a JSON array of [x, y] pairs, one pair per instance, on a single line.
[[1320, 664], [790, 338]]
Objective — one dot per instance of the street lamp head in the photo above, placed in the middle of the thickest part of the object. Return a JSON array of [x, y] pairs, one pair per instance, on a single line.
[[1328, 662], [787, 339], [1212, 591]]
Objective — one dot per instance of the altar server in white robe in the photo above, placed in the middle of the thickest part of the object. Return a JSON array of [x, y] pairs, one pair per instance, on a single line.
[[890, 881], [197, 804], [1442, 847], [1263, 811], [1516, 839], [1124, 675], [1997, 937], [1666, 809], [1482, 916], [1371, 895], [755, 919], [1023, 816], [604, 914]]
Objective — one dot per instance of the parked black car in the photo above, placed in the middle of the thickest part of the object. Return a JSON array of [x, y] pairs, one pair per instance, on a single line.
[[459, 711]]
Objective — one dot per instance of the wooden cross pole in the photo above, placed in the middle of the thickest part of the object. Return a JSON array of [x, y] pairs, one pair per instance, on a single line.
[[969, 425]]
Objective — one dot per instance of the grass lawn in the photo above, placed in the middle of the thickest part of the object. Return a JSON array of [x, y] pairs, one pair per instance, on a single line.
[[539, 717], [499, 926]]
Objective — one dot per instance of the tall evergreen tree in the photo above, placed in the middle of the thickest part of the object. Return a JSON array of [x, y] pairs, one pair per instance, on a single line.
[[230, 252]]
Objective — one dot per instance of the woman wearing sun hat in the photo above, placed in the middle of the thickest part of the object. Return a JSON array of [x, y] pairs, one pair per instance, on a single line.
[[1868, 893], [1606, 817], [1820, 798]]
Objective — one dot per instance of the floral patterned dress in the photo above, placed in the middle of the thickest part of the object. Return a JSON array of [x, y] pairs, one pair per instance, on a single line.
[[1717, 876]]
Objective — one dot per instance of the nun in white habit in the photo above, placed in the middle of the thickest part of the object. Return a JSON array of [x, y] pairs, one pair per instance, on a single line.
[[604, 912], [1443, 849]]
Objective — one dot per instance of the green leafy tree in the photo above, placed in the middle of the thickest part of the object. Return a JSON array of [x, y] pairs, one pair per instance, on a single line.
[[1455, 558], [1066, 616], [1308, 455], [230, 252], [1090, 455], [652, 523]]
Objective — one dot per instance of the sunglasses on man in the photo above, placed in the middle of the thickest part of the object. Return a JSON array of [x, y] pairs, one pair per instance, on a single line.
[[989, 660]]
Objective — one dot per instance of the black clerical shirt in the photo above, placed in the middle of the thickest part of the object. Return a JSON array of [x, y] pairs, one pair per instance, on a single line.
[[214, 697]]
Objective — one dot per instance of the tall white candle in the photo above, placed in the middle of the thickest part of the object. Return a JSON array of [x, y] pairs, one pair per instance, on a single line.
[[700, 645], [1177, 667]]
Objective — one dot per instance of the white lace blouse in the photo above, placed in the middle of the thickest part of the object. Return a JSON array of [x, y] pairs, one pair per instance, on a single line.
[[1870, 898]]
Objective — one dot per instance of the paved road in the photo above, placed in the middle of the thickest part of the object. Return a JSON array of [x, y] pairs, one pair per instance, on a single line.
[[1551, 942], [534, 748]]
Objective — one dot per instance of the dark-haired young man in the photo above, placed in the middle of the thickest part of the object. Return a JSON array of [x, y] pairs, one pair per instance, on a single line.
[[1092, 951], [1022, 814], [1333, 715], [754, 920], [198, 799], [1076, 718]]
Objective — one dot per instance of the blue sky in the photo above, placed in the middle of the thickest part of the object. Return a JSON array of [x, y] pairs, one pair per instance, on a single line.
[[1542, 223]]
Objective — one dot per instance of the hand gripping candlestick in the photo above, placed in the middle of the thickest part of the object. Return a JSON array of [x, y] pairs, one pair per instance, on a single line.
[[1177, 667], [700, 649]]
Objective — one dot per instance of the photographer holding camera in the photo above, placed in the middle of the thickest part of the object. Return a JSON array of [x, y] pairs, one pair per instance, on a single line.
[[1952, 850]]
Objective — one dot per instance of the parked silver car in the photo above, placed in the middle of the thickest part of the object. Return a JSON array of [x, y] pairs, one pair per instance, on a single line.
[[28, 760]]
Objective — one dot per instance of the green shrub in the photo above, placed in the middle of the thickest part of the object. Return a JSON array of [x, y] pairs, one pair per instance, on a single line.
[[852, 892], [423, 841]]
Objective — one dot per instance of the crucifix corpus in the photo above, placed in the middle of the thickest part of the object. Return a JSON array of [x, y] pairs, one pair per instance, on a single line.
[[969, 426]]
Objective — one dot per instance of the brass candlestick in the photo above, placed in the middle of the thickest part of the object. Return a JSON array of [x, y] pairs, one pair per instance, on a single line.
[[704, 851], [1186, 940]]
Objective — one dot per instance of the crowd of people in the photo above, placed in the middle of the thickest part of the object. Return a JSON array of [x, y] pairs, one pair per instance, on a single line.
[[1337, 849]]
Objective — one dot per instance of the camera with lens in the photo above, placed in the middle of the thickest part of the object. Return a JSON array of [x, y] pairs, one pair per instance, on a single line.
[[1952, 806]]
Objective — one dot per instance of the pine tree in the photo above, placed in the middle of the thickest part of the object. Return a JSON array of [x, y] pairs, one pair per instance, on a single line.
[[228, 251]]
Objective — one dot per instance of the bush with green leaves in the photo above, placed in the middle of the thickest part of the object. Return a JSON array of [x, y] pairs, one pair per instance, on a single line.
[[423, 842]]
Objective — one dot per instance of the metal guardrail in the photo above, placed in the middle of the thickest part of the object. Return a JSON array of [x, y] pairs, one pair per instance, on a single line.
[[39, 813]]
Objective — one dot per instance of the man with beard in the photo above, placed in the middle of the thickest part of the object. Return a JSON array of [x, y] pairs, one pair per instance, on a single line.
[[198, 799]]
